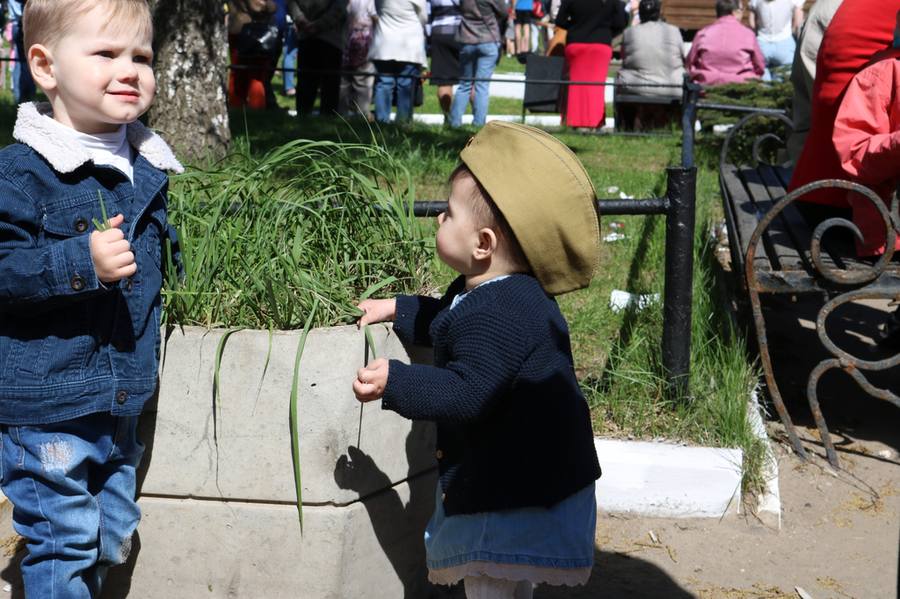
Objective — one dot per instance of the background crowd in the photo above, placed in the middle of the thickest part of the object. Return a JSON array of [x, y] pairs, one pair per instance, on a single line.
[[353, 55]]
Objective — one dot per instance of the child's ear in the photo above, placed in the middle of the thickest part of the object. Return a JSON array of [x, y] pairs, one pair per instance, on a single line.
[[487, 244], [40, 60]]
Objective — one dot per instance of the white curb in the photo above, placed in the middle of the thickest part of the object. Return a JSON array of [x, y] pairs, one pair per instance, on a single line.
[[537, 120], [668, 481], [768, 503]]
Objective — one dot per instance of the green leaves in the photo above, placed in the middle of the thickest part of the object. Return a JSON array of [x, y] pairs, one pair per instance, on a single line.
[[294, 414], [312, 222]]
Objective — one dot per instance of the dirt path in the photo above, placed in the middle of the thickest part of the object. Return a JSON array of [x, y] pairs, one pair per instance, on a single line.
[[841, 530], [839, 539]]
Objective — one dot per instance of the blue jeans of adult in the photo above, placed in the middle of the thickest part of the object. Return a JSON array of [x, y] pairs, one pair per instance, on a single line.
[[478, 61], [23, 84], [290, 57], [72, 486], [777, 54], [394, 75]]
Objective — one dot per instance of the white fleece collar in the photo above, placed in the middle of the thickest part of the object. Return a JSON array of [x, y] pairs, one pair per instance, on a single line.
[[65, 153]]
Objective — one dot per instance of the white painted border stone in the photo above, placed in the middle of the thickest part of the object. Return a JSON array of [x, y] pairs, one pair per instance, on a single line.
[[668, 481], [768, 503]]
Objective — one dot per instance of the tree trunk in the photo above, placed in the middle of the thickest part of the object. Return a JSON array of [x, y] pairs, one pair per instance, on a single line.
[[191, 107]]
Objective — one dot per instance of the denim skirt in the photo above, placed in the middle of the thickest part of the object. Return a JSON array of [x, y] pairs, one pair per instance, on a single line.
[[542, 545]]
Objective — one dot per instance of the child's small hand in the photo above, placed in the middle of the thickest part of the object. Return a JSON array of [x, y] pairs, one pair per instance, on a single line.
[[376, 310], [111, 252], [371, 380]]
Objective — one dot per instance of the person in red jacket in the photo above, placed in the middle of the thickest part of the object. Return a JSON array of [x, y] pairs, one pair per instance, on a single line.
[[859, 29]]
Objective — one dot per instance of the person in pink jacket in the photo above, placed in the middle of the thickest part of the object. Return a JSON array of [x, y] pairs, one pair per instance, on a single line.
[[726, 51]]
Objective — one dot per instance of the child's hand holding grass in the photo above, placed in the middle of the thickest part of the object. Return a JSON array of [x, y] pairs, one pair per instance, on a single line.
[[111, 252], [376, 310], [371, 380]]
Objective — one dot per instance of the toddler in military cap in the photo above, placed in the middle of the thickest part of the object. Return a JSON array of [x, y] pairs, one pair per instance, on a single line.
[[515, 505]]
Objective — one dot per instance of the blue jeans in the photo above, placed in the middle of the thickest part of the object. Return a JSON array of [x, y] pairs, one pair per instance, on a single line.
[[478, 61], [290, 57], [72, 486], [23, 84], [777, 54], [401, 76]]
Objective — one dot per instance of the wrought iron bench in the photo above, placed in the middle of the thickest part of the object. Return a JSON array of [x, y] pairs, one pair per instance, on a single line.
[[774, 249], [632, 110]]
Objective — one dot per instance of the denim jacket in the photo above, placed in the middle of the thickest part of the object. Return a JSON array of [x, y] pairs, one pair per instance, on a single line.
[[69, 344]]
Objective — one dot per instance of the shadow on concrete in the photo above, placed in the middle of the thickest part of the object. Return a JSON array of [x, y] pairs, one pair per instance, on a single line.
[[399, 527]]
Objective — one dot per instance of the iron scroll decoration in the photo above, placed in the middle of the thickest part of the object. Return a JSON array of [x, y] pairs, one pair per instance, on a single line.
[[842, 286], [834, 280], [723, 155]]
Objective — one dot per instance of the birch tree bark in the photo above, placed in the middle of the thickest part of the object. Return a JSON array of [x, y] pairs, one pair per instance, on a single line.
[[191, 107]]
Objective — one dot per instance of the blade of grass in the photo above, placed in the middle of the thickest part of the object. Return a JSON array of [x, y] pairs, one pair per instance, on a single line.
[[220, 348], [294, 420], [372, 289], [369, 350], [101, 226], [265, 368], [217, 367]]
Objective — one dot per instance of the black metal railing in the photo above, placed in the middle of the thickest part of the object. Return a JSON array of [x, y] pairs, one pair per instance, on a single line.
[[679, 208]]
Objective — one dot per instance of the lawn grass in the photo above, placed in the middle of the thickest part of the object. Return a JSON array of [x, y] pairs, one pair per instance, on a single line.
[[617, 354]]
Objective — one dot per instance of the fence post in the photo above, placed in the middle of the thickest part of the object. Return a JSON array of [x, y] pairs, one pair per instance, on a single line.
[[676, 341], [690, 95]]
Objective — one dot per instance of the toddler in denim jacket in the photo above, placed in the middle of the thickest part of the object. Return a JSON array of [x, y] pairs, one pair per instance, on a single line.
[[80, 298]]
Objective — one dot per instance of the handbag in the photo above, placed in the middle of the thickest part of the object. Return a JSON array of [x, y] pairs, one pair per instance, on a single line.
[[258, 39]]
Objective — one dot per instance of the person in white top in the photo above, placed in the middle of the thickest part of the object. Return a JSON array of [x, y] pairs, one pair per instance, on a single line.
[[398, 52], [776, 22]]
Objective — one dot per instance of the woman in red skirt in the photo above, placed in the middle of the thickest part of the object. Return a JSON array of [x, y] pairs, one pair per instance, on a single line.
[[590, 26]]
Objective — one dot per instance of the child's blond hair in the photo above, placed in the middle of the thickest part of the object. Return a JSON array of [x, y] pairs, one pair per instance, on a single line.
[[48, 21], [488, 215]]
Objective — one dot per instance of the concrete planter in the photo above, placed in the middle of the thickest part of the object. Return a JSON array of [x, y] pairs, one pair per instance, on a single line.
[[217, 489]]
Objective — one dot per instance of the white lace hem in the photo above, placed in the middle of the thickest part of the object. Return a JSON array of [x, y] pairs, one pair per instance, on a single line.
[[534, 574]]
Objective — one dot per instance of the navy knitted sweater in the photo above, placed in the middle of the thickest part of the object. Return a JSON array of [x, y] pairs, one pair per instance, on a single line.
[[513, 429]]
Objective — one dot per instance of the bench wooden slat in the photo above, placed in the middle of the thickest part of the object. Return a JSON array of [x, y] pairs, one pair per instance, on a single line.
[[782, 263], [778, 245], [744, 217], [838, 253], [696, 14], [638, 99], [792, 222]]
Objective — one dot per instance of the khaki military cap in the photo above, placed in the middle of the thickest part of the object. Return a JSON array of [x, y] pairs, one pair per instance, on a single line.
[[546, 196]]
